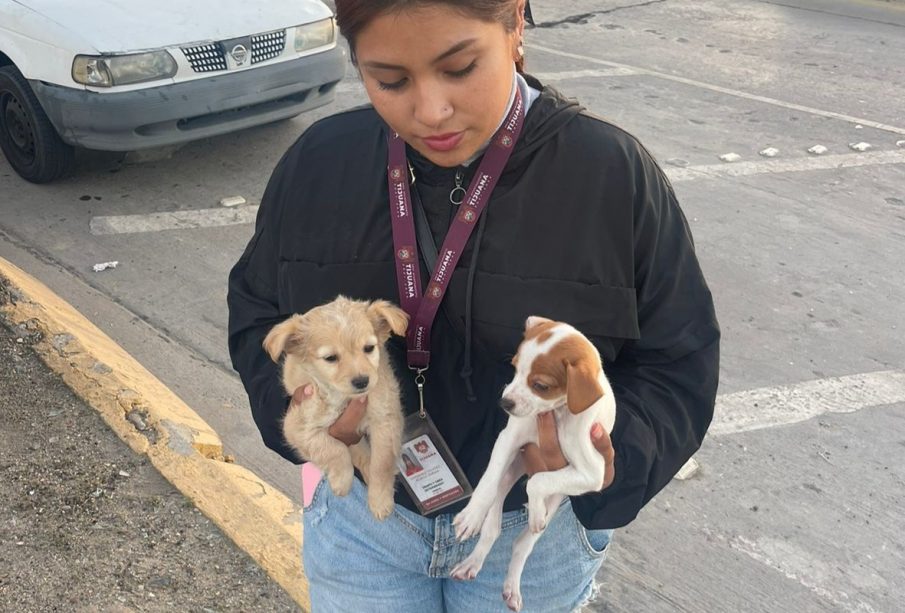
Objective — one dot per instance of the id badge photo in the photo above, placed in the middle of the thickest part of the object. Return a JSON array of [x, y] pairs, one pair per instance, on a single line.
[[427, 468]]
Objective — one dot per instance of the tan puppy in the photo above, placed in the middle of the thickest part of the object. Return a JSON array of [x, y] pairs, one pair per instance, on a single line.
[[556, 369], [337, 347]]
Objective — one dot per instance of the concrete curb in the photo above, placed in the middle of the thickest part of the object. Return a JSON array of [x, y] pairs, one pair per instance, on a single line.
[[154, 422]]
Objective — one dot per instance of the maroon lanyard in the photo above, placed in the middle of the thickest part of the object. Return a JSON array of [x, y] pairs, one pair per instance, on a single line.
[[423, 311]]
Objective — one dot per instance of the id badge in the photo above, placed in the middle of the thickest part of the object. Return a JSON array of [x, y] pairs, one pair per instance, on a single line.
[[427, 468]]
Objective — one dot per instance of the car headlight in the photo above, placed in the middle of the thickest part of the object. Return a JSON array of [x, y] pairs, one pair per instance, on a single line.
[[313, 35], [110, 70]]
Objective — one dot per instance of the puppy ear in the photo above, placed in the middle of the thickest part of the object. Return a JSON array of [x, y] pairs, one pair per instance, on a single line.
[[582, 387], [534, 321], [284, 337], [386, 317]]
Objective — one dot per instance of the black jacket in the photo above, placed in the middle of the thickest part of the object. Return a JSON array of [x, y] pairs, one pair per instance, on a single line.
[[583, 227]]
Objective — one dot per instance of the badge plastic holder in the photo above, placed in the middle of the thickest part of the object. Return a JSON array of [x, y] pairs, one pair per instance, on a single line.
[[427, 468]]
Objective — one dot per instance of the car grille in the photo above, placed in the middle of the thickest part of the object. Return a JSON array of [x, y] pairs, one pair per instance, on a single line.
[[206, 58], [267, 46], [212, 57]]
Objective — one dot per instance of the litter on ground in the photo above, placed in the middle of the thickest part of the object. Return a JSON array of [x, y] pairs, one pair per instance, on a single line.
[[104, 266]]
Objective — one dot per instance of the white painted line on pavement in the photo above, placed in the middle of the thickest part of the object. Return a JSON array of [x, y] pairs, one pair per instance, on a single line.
[[213, 218], [354, 85], [826, 162], [803, 567], [173, 220], [768, 407], [724, 90], [584, 74]]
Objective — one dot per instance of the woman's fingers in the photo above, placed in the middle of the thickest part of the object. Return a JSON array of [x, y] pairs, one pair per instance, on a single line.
[[604, 445], [534, 462], [302, 393], [547, 454], [548, 441], [345, 428]]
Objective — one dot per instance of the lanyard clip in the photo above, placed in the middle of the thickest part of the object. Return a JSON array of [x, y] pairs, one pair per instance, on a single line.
[[419, 382]]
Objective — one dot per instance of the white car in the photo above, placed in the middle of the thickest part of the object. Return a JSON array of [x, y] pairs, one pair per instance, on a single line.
[[121, 75]]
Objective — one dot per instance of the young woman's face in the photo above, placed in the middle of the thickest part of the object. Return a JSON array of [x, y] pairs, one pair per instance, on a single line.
[[439, 78]]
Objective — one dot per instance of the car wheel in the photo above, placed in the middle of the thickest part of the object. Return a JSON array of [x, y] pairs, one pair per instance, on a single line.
[[27, 138]]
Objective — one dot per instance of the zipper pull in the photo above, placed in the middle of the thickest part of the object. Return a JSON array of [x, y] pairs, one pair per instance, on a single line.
[[457, 195]]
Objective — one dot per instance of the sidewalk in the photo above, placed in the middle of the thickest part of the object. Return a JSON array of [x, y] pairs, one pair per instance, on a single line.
[[114, 494]]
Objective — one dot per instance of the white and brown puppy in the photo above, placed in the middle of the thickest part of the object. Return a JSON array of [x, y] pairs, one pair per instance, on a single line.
[[556, 369], [338, 347]]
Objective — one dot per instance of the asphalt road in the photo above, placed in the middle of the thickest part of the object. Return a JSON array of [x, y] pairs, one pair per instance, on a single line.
[[798, 504]]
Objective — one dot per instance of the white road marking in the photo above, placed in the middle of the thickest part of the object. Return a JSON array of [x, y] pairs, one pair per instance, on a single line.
[[354, 85], [736, 412], [212, 218], [768, 407], [724, 90], [825, 162], [173, 220], [801, 567], [584, 74]]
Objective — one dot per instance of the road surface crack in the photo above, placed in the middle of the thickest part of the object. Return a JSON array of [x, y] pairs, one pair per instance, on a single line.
[[583, 18]]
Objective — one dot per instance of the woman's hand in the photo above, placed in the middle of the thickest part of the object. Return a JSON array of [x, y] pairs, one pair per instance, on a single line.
[[547, 455], [344, 429]]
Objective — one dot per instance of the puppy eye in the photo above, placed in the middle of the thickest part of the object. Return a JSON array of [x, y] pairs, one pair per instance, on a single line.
[[540, 386], [332, 358], [369, 348]]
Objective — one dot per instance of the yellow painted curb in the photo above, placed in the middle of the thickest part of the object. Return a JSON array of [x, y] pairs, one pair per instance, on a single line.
[[153, 421]]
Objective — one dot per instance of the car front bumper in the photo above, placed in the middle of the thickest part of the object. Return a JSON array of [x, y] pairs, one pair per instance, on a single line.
[[181, 112]]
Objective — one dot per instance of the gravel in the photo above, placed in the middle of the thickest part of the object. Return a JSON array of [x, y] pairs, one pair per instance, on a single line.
[[88, 525]]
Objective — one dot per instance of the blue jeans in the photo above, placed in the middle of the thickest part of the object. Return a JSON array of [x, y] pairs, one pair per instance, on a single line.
[[355, 563]]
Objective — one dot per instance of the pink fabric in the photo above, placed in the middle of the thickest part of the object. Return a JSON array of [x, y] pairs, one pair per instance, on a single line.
[[311, 476]]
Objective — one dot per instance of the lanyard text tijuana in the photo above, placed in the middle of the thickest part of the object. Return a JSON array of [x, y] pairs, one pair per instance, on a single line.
[[422, 309]]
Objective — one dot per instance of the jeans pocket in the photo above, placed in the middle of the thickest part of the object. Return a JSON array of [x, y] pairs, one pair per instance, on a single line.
[[595, 542], [316, 510]]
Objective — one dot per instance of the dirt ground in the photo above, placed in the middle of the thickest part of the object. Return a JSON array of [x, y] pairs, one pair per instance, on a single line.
[[88, 525]]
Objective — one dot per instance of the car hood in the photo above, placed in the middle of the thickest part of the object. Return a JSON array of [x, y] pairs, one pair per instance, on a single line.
[[117, 26]]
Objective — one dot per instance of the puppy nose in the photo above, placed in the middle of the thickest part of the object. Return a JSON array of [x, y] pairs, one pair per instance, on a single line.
[[361, 382], [507, 405]]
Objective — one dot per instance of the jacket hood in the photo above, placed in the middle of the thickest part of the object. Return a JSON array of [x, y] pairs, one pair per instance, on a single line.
[[546, 117]]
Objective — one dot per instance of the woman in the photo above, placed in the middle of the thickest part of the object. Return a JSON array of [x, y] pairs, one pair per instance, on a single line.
[[582, 226]]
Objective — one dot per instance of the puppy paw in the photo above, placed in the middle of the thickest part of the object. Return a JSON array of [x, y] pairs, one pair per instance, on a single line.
[[467, 569], [341, 480], [380, 503], [512, 594], [469, 520], [361, 459], [537, 516]]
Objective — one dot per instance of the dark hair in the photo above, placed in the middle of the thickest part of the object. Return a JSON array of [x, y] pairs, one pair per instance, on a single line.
[[352, 16]]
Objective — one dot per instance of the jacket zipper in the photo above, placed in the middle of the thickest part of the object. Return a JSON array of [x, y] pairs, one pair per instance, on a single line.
[[457, 195]]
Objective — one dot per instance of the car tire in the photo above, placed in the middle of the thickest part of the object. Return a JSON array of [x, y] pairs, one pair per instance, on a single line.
[[28, 139]]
